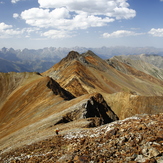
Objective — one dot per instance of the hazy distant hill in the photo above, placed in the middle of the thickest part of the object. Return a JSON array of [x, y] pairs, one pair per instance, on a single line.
[[25, 66], [42, 59], [153, 59], [8, 66], [150, 64]]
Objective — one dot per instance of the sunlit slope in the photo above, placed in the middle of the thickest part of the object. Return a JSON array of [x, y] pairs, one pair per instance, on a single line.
[[125, 63], [33, 105], [31, 101], [87, 73], [126, 89], [127, 104], [9, 82]]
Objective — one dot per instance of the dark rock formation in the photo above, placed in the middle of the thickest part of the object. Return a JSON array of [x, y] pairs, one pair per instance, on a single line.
[[58, 90], [95, 109], [71, 56]]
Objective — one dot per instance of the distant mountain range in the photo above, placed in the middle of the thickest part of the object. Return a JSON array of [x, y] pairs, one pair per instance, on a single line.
[[42, 59]]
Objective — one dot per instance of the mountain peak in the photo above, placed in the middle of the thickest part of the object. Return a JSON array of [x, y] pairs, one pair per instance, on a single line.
[[90, 53], [72, 55]]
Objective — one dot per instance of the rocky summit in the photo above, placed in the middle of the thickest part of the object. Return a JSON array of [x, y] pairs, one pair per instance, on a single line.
[[82, 109]]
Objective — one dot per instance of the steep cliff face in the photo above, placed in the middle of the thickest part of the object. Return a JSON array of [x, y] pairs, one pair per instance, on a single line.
[[93, 107], [58, 90]]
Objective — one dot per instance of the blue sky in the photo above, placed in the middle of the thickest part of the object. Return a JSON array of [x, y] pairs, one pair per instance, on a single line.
[[44, 23]]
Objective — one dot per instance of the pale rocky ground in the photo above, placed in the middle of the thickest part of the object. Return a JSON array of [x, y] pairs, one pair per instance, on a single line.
[[132, 140]]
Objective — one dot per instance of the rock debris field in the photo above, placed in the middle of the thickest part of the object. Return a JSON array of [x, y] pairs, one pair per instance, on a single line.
[[132, 140]]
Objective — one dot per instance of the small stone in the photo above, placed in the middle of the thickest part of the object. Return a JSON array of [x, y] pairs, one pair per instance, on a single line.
[[157, 144], [128, 159], [150, 161], [123, 140], [153, 152], [160, 160], [141, 158], [134, 156], [145, 151]]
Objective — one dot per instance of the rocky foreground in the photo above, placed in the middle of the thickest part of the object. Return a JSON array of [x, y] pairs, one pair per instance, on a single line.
[[135, 139]]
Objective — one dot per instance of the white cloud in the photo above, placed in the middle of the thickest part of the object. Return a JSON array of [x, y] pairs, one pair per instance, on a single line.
[[60, 18], [7, 31], [35, 13], [11, 32], [79, 14], [156, 32], [14, 1], [15, 15], [60, 13], [4, 26], [124, 13], [121, 33], [112, 8], [56, 34]]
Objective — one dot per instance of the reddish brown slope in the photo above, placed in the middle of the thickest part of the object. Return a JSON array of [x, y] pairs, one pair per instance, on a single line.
[[11, 81], [89, 73], [128, 69], [27, 104], [34, 106]]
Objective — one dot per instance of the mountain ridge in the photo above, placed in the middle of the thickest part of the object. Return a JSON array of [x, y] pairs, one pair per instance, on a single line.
[[128, 65], [40, 103], [81, 91], [93, 65]]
